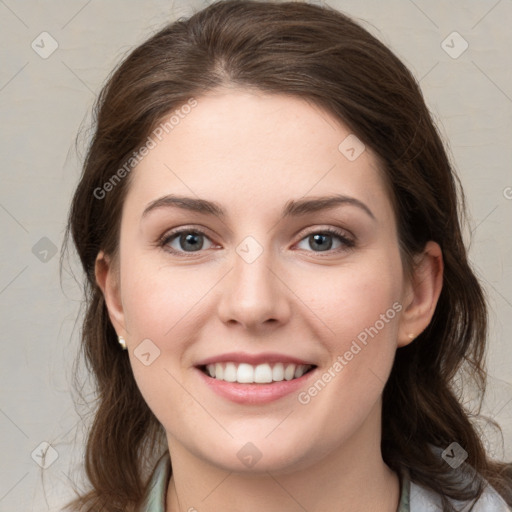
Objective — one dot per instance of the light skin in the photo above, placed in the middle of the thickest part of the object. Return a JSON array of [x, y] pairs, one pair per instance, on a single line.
[[252, 153]]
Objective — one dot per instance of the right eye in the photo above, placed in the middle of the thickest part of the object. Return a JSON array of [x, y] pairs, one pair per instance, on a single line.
[[183, 239]]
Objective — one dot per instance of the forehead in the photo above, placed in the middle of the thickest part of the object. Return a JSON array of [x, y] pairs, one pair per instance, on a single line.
[[251, 149]]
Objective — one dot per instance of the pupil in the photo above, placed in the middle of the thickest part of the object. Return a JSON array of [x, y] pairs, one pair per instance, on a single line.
[[189, 239], [322, 237]]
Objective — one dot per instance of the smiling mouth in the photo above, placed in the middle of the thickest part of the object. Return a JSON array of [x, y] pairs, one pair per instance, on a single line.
[[265, 373]]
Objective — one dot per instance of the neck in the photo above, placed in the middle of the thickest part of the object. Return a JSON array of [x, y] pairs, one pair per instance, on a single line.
[[352, 477]]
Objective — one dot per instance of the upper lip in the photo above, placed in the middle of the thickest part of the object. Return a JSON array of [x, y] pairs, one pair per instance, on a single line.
[[252, 359]]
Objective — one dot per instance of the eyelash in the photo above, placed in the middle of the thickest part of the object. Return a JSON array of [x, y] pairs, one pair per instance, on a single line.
[[348, 243]]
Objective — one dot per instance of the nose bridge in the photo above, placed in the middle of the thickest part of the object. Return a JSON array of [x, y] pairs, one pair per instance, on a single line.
[[252, 278], [254, 292]]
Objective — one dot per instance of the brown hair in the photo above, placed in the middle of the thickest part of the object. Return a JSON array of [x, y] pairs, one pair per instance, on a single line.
[[321, 55]]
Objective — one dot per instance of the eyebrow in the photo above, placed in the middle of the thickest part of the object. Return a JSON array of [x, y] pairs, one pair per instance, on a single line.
[[293, 208]]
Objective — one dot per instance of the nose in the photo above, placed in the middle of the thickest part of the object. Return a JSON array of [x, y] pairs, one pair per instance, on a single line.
[[254, 295]]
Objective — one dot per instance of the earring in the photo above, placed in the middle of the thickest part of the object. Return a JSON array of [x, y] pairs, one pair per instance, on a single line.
[[122, 342], [411, 336]]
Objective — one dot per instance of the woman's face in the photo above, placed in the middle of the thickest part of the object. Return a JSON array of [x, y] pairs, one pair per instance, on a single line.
[[264, 290]]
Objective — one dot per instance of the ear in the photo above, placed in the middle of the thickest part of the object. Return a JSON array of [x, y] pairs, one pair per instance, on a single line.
[[421, 294], [107, 277]]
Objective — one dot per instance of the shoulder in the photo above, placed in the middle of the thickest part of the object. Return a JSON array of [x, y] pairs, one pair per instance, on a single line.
[[423, 499], [426, 500]]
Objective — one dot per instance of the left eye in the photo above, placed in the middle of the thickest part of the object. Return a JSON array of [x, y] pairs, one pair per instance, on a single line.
[[193, 241], [323, 240]]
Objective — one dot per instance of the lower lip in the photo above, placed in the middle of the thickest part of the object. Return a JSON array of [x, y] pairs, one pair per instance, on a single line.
[[254, 393]]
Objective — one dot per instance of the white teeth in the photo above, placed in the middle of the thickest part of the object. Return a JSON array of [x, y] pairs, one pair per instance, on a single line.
[[299, 371], [289, 372], [244, 373], [278, 372], [230, 372], [219, 371], [263, 374]]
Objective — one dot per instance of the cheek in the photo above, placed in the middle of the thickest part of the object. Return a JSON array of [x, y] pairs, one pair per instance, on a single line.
[[351, 299], [157, 300], [160, 305], [364, 319], [359, 310]]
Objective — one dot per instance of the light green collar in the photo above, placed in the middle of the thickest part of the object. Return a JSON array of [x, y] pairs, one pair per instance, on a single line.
[[157, 490]]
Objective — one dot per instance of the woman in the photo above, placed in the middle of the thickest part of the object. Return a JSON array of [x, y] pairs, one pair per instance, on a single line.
[[269, 226]]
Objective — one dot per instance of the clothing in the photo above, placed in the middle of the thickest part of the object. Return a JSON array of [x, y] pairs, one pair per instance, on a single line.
[[413, 498]]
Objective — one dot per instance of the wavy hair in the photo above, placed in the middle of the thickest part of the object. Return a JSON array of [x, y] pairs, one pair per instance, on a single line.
[[321, 55]]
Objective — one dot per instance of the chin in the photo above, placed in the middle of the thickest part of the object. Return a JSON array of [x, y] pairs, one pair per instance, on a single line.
[[259, 456]]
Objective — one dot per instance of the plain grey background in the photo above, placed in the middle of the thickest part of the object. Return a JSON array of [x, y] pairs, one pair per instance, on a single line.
[[55, 55]]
